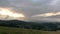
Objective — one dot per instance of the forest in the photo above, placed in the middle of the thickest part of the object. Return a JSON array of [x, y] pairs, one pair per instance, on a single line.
[[46, 26]]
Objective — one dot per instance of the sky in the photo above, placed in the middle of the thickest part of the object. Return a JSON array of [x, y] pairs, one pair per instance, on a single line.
[[34, 7]]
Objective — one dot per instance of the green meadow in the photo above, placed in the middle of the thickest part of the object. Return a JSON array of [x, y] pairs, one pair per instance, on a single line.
[[11, 30]]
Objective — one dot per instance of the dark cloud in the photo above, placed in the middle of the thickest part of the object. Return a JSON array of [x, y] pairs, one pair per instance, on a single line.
[[28, 6], [32, 7], [4, 3]]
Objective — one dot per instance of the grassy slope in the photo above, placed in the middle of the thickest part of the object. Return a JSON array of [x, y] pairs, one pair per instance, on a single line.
[[9, 30]]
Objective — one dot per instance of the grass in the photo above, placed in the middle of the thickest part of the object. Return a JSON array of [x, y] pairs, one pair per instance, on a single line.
[[9, 30]]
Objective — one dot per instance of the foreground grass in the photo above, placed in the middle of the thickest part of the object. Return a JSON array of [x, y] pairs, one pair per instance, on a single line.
[[9, 30]]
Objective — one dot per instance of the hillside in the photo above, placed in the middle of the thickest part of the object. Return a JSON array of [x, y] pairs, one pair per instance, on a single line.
[[22, 27], [9, 30], [46, 26]]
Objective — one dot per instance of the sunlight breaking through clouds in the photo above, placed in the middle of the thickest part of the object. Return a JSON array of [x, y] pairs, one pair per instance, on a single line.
[[8, 13], [47, 14]]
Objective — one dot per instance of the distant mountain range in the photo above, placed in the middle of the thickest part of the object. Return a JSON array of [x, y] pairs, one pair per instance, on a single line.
[[39, 25]]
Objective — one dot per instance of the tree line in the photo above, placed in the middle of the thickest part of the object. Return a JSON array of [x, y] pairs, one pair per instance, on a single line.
[[47, 26]]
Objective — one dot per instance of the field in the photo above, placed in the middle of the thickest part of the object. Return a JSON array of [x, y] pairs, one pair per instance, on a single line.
[[11, 30]]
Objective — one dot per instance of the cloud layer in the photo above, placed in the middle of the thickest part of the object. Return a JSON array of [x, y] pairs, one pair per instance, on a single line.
[[32, 7]]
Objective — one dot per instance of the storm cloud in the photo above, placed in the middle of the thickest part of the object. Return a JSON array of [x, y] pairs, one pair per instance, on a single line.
[[32, 7]]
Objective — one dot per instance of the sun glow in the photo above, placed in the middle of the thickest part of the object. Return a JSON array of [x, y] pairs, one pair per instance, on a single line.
[[47, 14], [8, 12]]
